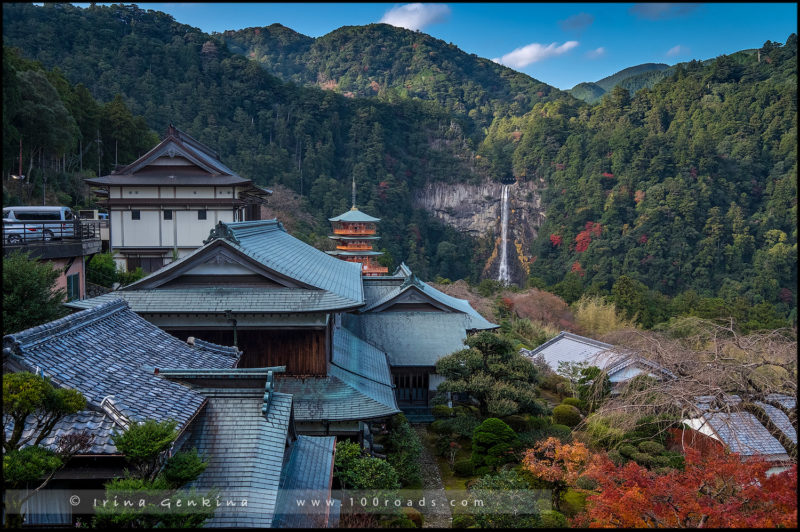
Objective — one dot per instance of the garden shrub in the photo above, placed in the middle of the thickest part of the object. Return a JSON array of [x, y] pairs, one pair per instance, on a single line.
[[572, 401], [414, 516], [442, 411], [643, 459], [627, 450], [399, 522], [615, 456], [492, 443], [566, 415], [660, 461], [573, 502], [537, 423], [463, 521], [585, 483], [562, 432], [517, 422], [464, 468], [464, 426], [552, 519], [404, 449], [651, 447], [440, 426], [676, 460]]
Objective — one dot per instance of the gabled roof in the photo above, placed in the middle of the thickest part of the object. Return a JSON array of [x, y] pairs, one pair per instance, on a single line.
[[202, 162], [741, 431], [411, 283], [245, 452], [568, 347], [306, 476], [105, 353], [287, 259], [342, 396], [632, 360], [354, 215], [215, 299]]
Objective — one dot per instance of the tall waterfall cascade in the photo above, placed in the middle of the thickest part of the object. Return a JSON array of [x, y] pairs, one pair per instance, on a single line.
[[503, 274]]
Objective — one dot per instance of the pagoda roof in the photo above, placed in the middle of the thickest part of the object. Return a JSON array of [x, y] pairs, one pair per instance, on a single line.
[[342, 237], [289, 260], [354, 215], [178, 160], [363, 253]]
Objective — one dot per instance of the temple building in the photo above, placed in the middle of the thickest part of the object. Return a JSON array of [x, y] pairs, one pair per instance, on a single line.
[[354, 233], [162, 205]]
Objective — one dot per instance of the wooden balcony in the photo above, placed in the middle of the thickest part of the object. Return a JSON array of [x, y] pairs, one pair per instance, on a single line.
[[355, 247], [355, 232]]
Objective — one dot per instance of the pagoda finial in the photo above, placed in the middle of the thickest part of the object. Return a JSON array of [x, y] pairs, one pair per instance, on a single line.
[[353, 208]]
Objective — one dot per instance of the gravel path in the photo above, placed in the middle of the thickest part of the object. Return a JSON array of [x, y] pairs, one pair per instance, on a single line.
[[438, 516]]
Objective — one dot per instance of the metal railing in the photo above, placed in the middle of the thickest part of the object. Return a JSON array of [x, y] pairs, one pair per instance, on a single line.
[[20, 233]]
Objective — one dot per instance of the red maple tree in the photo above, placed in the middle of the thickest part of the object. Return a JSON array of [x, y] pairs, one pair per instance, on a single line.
[[718, 490], [555, 240]]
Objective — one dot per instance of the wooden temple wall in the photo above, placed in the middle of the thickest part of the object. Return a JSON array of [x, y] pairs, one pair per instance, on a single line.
[[303, 352]]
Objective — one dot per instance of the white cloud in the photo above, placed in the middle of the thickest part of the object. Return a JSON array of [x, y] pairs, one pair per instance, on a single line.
[[594, 54], [677, 50], [532, 53], [416, 16]]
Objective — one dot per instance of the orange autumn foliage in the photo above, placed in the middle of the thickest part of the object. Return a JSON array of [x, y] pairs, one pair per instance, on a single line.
[[556, 462], [719, 490]]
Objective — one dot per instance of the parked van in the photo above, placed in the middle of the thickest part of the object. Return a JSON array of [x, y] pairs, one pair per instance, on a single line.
[[53, 222]]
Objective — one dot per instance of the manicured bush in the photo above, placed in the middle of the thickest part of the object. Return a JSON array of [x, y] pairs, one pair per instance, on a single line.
[[464, 468], [403, 452], [573, 502], [676, 460], [572, 401], [643, 459], [627, 450], [615, 456], [660, 461], [492, 443], [464, 426], [442, 411], [414, 515], [651, 447], [538, 423], [552, 519], [586, 483], [463, 521], [566, 415], [517, 422], [562, 432], [440, 426]]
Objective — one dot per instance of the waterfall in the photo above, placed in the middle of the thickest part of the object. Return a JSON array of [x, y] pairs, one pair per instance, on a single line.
[[502, 274]]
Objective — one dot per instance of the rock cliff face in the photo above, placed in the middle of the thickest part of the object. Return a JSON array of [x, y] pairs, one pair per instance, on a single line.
[[476, 209]]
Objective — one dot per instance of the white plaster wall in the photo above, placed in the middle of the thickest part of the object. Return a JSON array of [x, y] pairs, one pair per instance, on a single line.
[[142, 232]]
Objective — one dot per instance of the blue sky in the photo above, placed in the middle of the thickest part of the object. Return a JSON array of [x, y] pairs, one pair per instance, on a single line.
[[560, 44]]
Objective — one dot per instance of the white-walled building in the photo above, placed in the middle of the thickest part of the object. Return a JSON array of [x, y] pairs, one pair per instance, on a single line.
[[163, 205]]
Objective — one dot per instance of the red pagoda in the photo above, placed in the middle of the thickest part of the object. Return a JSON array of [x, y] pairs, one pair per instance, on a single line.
[[354, 233]]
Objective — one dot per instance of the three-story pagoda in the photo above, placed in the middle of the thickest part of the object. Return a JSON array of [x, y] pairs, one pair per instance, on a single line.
[[354, 233]]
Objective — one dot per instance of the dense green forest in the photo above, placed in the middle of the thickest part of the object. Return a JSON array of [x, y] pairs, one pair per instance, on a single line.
[[392, 64], [311, 140], [632, 78], [688, 189], [675, 197]]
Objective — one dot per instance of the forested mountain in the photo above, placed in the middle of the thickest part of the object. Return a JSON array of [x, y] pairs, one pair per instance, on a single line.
[[687, 189], [311, 140], [393, 64], [631, 78], [678, 199]]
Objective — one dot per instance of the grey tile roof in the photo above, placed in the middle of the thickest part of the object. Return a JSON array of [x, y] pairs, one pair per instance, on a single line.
[[357, 356], [98, 425], [376, 288], [411, 282], [218, 299], [742, 432], [354, 215], [332, 399], [245, 453], [306, 476], [568, 347], [107, 351], [411, 338], [618, 365]]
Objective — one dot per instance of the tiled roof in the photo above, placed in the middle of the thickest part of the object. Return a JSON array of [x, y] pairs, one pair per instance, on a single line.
[[98, 425], [376, 288], [618, 365], [568, 347], [411, 282], [332, 399], [411, 338], [215, 299], [742, 432], [354, 215], [268, 242], [245, 454], [107, 351], [357, 356], [306, 476]]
